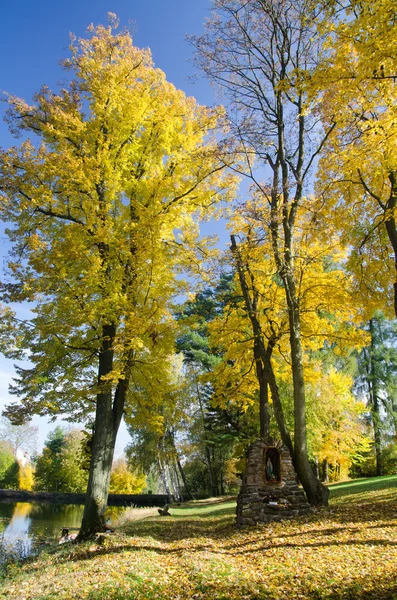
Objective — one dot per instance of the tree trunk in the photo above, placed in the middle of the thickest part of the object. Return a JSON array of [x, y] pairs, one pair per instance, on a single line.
[[211, 471], [277, 406], [176, 484], [376, 420], [391, 229], [316, 468], [100, 468], [317, 494], [215, 471], [392, 410], [265, 371], [251, 307], [264, 415], [108, 416], [179, 467], [221, 476], [207, 448], [325, 469], [183, 475], [163, 476]]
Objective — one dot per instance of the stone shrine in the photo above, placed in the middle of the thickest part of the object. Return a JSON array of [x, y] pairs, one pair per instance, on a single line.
[[269, 491]]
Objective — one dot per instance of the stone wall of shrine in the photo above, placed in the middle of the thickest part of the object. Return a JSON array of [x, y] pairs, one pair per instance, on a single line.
[[269, 490]]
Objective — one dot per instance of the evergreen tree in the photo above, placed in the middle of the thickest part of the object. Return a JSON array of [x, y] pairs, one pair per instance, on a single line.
[[376, 383]]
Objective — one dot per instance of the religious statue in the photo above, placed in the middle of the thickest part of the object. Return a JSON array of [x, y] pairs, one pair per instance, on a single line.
[[269, 470]]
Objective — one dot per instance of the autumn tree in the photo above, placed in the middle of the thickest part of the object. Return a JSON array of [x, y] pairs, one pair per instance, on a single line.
[[180, 435], [154, 422], [260, 52], [357, 175], [102, 210], [337, 437], [258, 295], [212, 431], [9, 467], [22, 441], [26, 477], [124, 481], [48, 464], [252, 333]]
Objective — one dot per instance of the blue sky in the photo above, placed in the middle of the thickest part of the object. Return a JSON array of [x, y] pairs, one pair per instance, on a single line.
[[35, 37]]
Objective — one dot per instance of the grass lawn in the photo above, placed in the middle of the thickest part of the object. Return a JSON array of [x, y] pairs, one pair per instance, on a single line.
[[348, 550]]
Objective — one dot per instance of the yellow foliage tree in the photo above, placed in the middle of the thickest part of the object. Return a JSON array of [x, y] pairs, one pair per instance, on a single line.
[[26, 478], [358, 168], [254, 334], [103, 211], [262, 53], [337, 437], [123, 481]]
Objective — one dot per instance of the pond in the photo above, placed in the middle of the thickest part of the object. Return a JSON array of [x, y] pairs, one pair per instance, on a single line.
[[25, 526]]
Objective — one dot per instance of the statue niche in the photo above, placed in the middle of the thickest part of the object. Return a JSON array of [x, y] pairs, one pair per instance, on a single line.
[[272, 466]]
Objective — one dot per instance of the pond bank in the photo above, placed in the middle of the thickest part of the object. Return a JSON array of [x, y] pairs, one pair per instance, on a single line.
[[135, 500]]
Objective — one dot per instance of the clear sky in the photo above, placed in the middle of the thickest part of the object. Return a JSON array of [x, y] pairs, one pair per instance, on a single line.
[[35, 37]]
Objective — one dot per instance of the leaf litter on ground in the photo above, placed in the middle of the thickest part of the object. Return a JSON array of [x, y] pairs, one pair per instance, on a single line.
[[346, 551]]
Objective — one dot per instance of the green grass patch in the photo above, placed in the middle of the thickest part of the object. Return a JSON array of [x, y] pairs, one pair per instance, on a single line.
[[203, 511], [359, 486]]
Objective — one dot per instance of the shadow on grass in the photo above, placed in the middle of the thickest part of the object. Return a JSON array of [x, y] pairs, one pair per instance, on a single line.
[[219, 524], [231, 545], [213, 521], [232, 550]]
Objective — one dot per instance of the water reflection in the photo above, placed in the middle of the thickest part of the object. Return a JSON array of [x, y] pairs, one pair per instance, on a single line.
[[16, 534], [26, 525]]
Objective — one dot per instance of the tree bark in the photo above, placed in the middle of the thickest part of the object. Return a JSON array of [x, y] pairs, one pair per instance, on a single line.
[[316, 468], [264, 415], [317, 494], [325, 471], [251, 307], [207, 448], [108, 417], [183, 475], [163, 475], [176, 484], [277, 405]]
